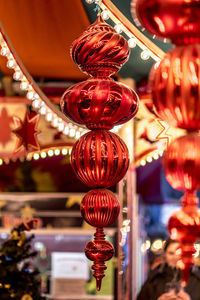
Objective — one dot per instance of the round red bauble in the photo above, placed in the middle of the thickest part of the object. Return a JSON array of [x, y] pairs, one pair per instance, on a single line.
[[100, 50], [100, 158], [99, 103], [99, 250], [175, 87], [182, 162], [184, 227], [100, 208], [178, 20]]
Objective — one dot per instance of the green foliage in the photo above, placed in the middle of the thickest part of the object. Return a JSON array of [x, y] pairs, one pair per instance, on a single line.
[[18, 279]]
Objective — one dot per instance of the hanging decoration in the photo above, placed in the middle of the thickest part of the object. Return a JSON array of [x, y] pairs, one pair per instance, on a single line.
[[100, 158], [174, 84], [27, 132]]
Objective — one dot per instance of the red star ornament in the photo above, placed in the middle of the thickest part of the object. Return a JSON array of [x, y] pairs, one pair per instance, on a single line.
[[27, 132]]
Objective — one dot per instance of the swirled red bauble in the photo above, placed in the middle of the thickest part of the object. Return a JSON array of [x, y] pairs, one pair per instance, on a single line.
[[100, 208], [178, 20], [100, 158], [99, 103], [175, 87], [100, 50], [182, 163]]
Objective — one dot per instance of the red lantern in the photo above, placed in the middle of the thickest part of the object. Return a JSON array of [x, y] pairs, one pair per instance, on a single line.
[[99, 103], [99, 251], [175, 87], [100, 158], [182, 162], [100, 208], [100, 50], [184, 226], [178, 20]]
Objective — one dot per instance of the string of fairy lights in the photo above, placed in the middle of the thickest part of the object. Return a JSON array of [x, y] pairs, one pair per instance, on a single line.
[[43, 105]]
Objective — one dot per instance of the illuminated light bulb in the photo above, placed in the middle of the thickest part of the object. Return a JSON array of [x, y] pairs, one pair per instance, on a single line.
[[57, 152], [43, 110], [4, 51], [30, 95], [132, 43], [145, 54], [143, 162], [66, 130], [36, 156], [24, 85], [49, 116], [61, 126], [10, 64], [89, 1], [64, 151], [161, 153], [78, 134], [70, 151], [118, 28], [157, 244], [50, 153], [36, 103], [54, 122], [1, 162], [72, 132], [17, 75], [156, 156], [149, 159], [148, 244], [105, 15], [43, 154], [36, 96]]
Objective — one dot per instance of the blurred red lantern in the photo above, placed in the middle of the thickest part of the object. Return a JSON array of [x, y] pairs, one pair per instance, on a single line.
[[99, 251], [184, 226], [178, 20], [100, 50], [175, 87], [182, 162], [100, 158], [99, 103], [100, 208]]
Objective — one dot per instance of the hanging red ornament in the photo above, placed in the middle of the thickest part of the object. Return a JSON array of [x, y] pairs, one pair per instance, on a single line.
[[175, 87], [184, 226], [178, 20], [100, 50], [27, 132], [100, 208], [99, 103], [99, 251], [182, 162], [100, 158]]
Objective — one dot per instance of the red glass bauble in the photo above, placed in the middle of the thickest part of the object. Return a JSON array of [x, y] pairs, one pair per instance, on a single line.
[[100, 208], [182, 162], [184, 226], [99, 103], [178, 20], [99, 251], [100, 158], [100, 50], [175, 87]]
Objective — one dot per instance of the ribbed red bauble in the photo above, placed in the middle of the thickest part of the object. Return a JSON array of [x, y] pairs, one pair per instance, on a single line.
[[100, 208], [100, 158], [178, 20], [100, 50], [184, 227], [100, 103], [99, 251], [182, 162], [175, 87]]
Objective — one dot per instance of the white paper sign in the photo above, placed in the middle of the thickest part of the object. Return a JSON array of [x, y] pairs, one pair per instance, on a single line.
[[69, 265]]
